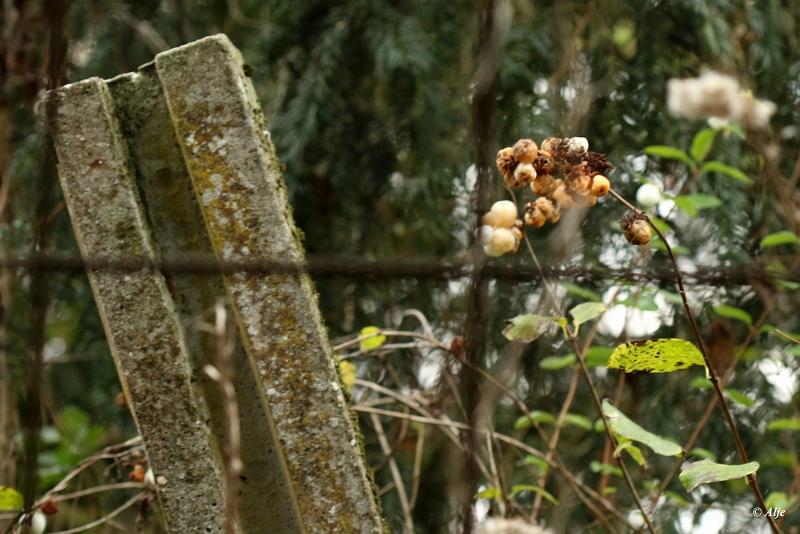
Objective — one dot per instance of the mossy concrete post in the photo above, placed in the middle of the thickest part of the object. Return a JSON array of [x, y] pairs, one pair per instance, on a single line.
[[144, 333], [240, 190], [174, 161]]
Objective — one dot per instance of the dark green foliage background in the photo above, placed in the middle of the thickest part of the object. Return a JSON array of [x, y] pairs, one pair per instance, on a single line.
[[369, 106]]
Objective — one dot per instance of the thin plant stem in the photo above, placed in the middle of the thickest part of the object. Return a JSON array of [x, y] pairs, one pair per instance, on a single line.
[[712, 374]]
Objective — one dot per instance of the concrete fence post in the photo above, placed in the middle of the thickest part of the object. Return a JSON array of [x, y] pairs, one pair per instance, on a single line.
[[173, 161]]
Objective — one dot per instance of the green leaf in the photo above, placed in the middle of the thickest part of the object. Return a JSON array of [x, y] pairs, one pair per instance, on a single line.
[[488, 493], [739, 397], [692, 204], [554, 363], [706, 471], [676, 498], [669, 296], [779, 499], [703, 453], [669, 152], [10, 499], [372, 338], [732, 312], [605, 469], [700, 382], [578, 291], [533, 461], [632, 450], [519, 488], [620, 424], [536, 416], [776, 239], [585, 312], [640, 302], [784, 424], [701, 143], [655, 356], [727, 170], [578, 420], [598, 355], [526, 328]]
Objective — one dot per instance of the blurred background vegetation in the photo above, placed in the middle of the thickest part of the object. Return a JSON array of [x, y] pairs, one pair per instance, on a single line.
[[383, 113]]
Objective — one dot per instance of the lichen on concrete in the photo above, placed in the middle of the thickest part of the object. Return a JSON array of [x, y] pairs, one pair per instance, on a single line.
[[240, 191]]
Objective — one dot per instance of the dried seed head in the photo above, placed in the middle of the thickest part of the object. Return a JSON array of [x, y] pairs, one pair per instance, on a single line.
[[543, 184], [517, 234], [600, 185], [578, 184], [525, 151], [523, 175], [584, 200], [545, 206], [636, 229], [506, 162]]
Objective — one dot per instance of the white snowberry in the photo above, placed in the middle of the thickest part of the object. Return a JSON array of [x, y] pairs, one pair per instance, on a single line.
[[648, 196], [505, 214]]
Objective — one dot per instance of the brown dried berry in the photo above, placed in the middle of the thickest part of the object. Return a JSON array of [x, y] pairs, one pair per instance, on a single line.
[[578, 184], [457, 345], [552, 144], [137, 473], [120, 400], [50, 507], [543, 184], [545, 163], [545, 206], [600, 185], [636, 229], [525, 151], [534, 217], [523, 175], [506, 162]]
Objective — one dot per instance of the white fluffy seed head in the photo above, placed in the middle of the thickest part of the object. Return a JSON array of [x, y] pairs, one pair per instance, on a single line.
[[485, 234], [578, 145], [505, 214], [648, 196]]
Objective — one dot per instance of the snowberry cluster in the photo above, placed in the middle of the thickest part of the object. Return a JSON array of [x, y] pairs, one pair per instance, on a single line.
[[501, 231], [563, 172]]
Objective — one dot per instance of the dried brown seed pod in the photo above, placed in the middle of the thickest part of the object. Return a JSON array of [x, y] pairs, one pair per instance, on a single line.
[[552, 144], [506, 162], [545, 163], [600, 185], [636, 229], [543, 184], [533, 216], [523, 175], [525, 151], [578, 184], [545, 206]]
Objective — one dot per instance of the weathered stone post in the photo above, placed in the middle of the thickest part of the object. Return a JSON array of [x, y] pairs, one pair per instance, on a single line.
[[173, 160]]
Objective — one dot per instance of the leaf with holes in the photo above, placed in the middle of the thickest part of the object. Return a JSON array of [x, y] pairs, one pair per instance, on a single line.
[[621, 425], [706, 471], [655, 356]]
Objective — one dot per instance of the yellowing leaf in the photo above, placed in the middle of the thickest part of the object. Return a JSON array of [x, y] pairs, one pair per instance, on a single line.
[[10, 499], [623, 426], [706, 471], [371, 338], [347, 370], [655, 356]]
